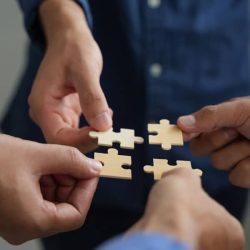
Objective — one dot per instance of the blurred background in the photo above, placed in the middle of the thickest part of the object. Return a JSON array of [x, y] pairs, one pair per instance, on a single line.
[[12, 59]]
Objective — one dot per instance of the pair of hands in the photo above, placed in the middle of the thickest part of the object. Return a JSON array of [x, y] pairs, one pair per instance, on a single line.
[[48, 189], [222, 131]]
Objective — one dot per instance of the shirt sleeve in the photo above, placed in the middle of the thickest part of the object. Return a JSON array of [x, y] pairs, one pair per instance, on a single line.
[[146, 241], [31, 18]]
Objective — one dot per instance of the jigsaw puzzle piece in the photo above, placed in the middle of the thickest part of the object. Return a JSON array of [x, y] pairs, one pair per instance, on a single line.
[[126, 138], [166, 134], [161, 166], [104, 138], [113, 164]]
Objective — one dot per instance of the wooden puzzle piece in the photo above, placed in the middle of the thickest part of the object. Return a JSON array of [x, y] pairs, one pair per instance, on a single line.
[[167, 134], [126, 138], [112, 164], [161, 166]]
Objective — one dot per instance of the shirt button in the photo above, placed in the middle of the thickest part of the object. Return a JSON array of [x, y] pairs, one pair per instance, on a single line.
[[155, 70], [154, 3]]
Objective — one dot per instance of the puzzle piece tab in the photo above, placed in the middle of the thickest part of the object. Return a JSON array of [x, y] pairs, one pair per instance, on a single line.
[[126, 138], [167, 134], [161, 166], [112, 164]]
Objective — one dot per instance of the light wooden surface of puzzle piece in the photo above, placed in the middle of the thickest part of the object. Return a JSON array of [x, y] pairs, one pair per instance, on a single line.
[[126, 138], [112, 164], [161, 166], [167, 134]]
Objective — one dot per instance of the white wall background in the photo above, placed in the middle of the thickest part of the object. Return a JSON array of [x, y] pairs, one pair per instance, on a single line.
[[12, 53]]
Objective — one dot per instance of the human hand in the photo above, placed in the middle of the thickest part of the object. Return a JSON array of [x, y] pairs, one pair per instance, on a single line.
[[222, 131], [45, 189], [178, 206], [68, 81]]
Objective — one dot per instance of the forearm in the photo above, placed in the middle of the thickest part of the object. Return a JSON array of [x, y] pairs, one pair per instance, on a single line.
[[62, 18]]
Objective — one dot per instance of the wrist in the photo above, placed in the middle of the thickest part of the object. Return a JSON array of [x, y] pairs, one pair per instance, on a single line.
[[62, 19], [179, 225]]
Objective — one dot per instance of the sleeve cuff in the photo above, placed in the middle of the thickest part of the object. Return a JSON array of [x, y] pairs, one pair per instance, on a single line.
[[147, 241], [32, 23]]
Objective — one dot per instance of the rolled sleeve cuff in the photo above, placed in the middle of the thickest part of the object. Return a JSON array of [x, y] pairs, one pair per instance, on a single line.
[[31, 19], [146, 241]]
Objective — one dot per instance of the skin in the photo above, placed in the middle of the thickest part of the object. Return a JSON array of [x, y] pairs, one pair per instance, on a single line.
[[67, 84], [48, 189], [45, 189], [222, 131], [178, 206]]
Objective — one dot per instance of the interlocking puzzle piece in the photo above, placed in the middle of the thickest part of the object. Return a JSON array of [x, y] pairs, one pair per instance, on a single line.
[[167, 134], [161, 166], [112, 164], [126, 138]]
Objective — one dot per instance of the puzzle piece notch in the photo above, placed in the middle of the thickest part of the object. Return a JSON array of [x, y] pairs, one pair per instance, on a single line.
[[112, 164], [167, 134], [161, 166], [126, 138]]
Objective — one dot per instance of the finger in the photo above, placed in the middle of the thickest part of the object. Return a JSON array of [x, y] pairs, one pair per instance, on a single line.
[[232, 154], [65, 185], [189, 136], [57, 130], [48, 188], [82, 195], [57, 159], [229, 114], [207, 143], [71, 215], [240, 175], [93, 102]]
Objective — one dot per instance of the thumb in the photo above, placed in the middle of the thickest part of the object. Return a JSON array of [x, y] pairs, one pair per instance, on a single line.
[[57, 159], [226, 115]]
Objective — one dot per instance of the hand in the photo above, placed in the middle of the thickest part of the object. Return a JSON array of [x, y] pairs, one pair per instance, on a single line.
[[68, 81], [178, 206], [45, 189], [223, 131]]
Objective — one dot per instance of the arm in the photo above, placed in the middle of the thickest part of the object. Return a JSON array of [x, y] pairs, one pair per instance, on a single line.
[[180, 215], [222, 131], [67, 84], [31, 17]]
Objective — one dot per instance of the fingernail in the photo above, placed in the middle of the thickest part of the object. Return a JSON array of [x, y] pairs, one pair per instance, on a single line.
[[95, 165], [231, 133], [102, 121], [187, 120]]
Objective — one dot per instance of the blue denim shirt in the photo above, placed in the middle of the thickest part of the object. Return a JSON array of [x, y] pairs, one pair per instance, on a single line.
[[145, 241], [160, 61]]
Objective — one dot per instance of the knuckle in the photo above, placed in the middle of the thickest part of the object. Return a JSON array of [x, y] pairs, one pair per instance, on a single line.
[[208, 114], [244, 146], [92, 96], [214, 142], [209, 110], [73, 154], [242, 110], [216, 161]]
